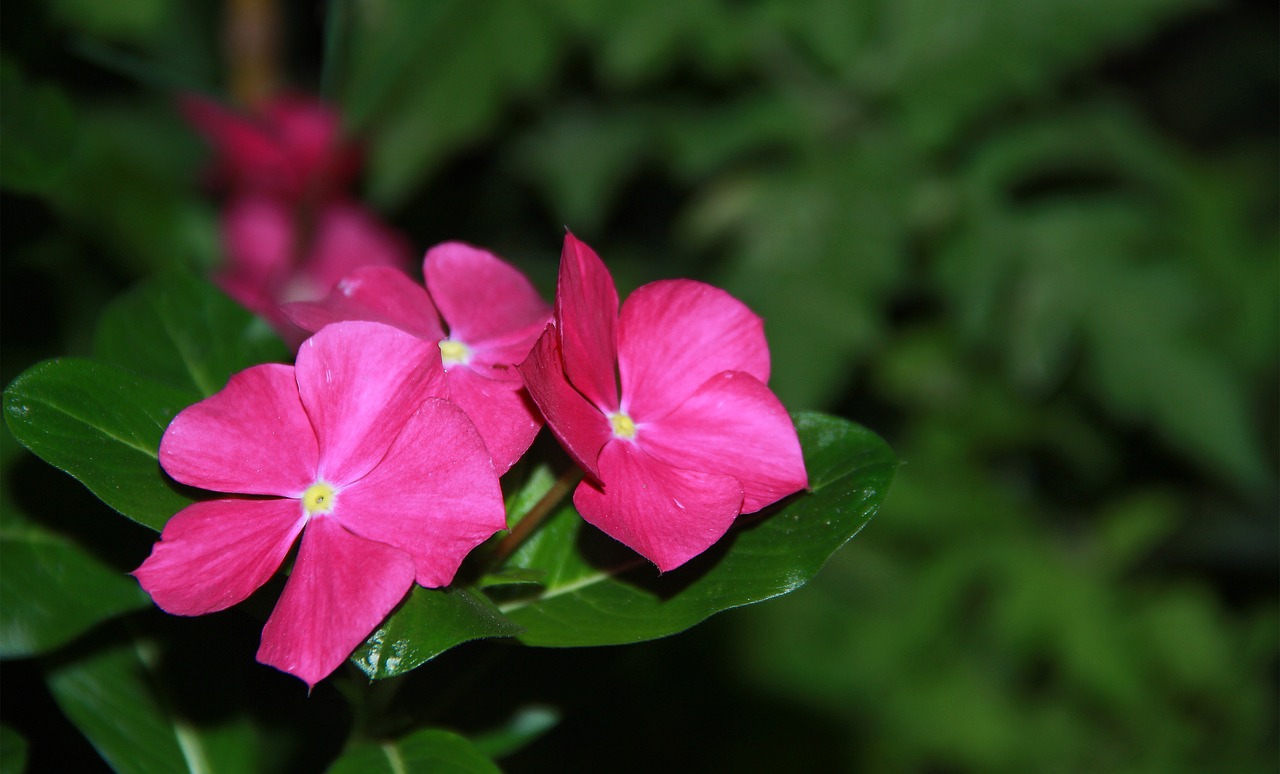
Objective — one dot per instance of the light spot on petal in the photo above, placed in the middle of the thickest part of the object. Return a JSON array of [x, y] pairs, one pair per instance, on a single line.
[[623, 426], [454, 352], [320, 497]]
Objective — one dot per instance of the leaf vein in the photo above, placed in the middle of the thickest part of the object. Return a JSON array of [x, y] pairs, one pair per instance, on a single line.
[[393, 759], [153, 454]]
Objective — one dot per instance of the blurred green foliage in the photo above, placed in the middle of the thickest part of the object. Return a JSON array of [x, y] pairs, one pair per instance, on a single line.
[[1034, 244]]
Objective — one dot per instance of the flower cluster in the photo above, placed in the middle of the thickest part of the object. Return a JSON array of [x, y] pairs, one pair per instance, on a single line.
[[484, 315], [289, 230], [379, 450]]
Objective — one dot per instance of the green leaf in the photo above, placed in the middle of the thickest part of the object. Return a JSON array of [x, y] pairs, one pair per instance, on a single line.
[[134, 20], [184, 332], [524, 727], [430, 622], [51, 589], [599, 593], [38, 127], [941, 74], [113, 696], [819, 244], [1105, 281], [512, 577], [581, 157], [425, 92], [102, 425], [13, 751], [430, 751], [129, 185]]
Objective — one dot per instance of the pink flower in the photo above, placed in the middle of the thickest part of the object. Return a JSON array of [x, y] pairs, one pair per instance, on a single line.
[[288, 233], [483, 314], [354, 450], [291, 146], [692, 439], [270, 260]]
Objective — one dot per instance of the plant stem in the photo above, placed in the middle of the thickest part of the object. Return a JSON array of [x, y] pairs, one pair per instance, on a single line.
[[251, 40], [370, 701], [536, 515]]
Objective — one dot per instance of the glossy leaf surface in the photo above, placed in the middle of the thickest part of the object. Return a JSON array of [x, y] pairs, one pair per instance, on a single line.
[[428, 623], [102, 425]]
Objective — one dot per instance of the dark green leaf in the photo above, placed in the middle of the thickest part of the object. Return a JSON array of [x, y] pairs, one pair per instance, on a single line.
[[599, 593], [818, 244], [114, 697], [512, 577], [941, 75], [102, 425], [430, 622], [182, 331], [126, 20], [142, 69], [37, 124], [13, 751], [524, 727], [582, 157], [51, 589], [430, 751], [423, 91], [129, 184]]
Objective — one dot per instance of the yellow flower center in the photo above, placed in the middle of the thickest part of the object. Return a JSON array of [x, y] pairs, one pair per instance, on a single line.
[[454, 352], [319, 498], [622, 426]]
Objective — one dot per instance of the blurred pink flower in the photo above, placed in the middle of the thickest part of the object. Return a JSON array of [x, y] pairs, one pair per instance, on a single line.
[[289, 232], [692, 439], [291, 146], [272, 261], [484, 315], [355, 450]]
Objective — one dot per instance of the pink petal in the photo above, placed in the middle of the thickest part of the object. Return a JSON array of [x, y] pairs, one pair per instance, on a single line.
[[377, 294], [586, 313], [498, 360], [581, 428], [214, 554], [293, 146], [310, 132], [251, 437], [249, 154], [732, 425], [359, 381], [257, 240], [674, 335], [435, 495], [341, 588], [482, 297], [665, 514], [501, 410], [346, 238]]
